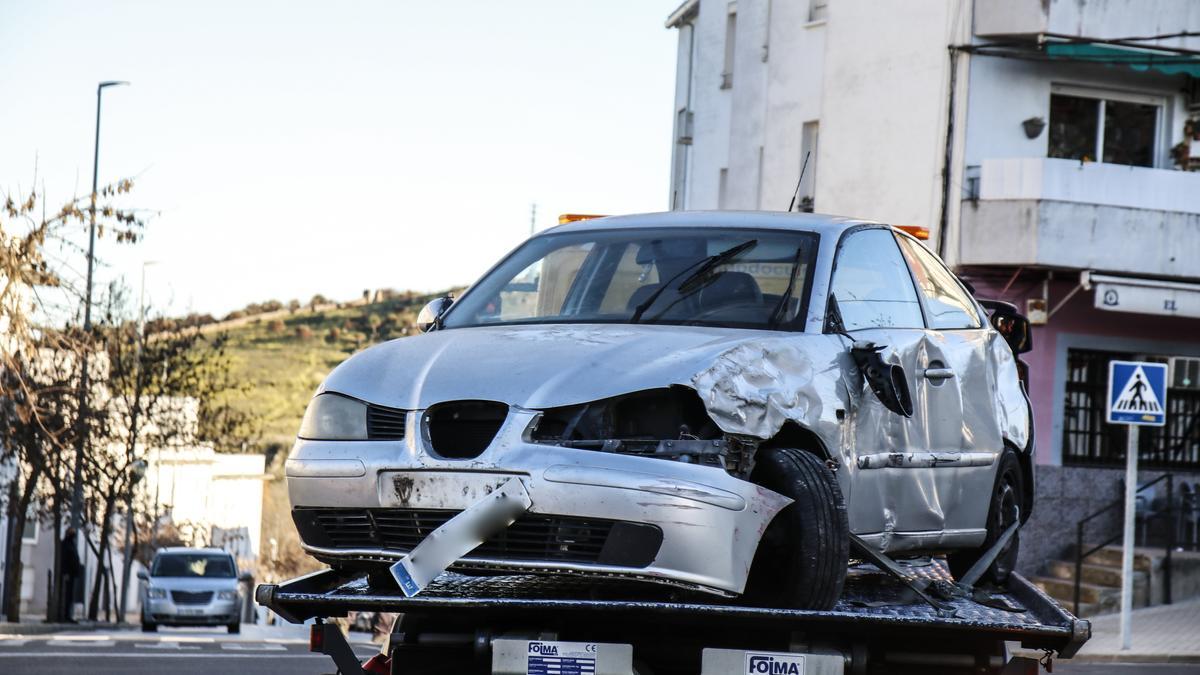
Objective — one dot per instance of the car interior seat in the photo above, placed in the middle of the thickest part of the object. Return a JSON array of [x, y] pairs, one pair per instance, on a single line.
[[730, 288]]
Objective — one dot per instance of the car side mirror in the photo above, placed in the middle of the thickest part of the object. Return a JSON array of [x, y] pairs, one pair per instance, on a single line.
[[887, 380], [431, 314], [1011, 324], [143, 576]]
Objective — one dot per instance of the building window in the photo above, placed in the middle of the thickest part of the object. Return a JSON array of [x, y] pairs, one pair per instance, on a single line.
[[1089, 441], [809, 134], [730, 46], [683, 143], [1098, 129], [683, 126], [818, 10], [758, 199], [29, 535]]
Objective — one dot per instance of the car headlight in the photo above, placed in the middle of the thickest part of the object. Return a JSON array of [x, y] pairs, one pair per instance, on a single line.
[[227, 595], [156, 593], [333, 417]]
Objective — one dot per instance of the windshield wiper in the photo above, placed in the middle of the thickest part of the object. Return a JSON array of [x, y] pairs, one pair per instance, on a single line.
[[777, 313], [695, 279]]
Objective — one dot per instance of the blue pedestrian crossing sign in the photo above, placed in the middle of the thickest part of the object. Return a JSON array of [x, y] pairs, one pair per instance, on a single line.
[[1137, 393]]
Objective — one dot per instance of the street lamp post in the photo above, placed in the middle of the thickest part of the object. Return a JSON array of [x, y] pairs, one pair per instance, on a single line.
[[81, 420], [137, 470]]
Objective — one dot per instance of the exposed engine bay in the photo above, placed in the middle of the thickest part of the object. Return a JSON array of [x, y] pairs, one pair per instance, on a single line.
[[669, 423]]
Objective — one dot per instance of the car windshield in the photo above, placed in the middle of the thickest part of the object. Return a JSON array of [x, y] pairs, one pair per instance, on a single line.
[[703, 276], [193, 565]]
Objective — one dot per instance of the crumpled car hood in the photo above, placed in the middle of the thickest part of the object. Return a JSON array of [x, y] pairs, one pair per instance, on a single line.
[[751, 381]]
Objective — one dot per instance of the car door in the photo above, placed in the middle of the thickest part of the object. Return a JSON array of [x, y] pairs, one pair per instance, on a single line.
[[958, 394], [876, 301]]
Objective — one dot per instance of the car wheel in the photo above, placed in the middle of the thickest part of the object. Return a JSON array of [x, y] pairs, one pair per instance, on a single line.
[[801, 559], [149, 627], [1007, 496], [234, 627]]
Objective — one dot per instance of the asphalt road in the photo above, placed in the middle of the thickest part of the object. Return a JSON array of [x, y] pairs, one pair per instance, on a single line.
[[174, 651], [1126, 668]]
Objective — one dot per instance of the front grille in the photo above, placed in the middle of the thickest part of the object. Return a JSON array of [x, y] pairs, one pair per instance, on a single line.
[[533, 537], [464, 429], [191, 597], [385, 424]]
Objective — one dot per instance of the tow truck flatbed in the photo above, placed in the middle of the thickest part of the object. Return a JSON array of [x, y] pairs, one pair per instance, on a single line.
[[877, 620]]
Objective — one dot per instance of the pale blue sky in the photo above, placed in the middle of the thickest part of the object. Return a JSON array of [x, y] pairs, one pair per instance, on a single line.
[[302, 147]]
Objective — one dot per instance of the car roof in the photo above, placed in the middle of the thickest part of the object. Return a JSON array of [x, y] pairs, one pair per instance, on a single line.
[[191, 549], [824, 225]]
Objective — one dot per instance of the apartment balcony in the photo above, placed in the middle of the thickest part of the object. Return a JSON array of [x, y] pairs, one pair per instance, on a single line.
[[1111, 20], [1066, 214]]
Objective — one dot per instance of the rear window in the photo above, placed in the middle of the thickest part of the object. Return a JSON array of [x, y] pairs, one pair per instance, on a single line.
[[193, 565]]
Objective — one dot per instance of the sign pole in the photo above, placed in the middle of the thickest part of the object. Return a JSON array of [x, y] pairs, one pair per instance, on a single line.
[[1131, 463], [1137, 396]]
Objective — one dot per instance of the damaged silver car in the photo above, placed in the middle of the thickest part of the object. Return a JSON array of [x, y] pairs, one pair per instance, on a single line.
[[717, 401]]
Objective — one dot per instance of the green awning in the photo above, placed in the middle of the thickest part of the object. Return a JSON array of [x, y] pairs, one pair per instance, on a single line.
[[1138, 58]]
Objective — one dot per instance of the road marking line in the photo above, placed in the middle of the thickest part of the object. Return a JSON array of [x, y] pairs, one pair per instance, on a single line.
[[165, 644], [252, 647], [13, 642], [81, 643]]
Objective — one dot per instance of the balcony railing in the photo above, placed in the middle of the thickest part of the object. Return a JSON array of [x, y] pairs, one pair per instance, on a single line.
[[1094, 20], [1068, 180], [1060, 213]]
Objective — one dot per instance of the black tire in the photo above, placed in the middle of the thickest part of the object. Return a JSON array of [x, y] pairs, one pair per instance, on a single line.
[[1008, 494], [801, 559], [148, 627], [234, 627]]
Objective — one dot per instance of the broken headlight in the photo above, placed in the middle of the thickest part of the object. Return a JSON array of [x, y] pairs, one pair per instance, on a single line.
[[333, 417]]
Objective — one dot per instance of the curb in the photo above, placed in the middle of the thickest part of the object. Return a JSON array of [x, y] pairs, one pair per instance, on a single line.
[[1119, 657], [1134, 658]]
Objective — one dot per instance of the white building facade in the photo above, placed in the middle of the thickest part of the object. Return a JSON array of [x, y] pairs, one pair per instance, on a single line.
[[1051, 147]]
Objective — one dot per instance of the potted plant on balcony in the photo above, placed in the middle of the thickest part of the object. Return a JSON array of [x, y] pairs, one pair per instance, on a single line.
[[1187, 152]]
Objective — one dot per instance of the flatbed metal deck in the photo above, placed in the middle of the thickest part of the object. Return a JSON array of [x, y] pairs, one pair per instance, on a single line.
[[876, 613]]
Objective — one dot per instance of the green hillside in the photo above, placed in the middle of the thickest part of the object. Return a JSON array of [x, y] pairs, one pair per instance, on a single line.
[[283, 356]]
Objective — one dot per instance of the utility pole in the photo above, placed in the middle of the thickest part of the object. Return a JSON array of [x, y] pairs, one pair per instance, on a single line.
[[81, 420]]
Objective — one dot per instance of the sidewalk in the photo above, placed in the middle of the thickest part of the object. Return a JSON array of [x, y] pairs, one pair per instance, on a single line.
[[1161, 634], [42, 628]]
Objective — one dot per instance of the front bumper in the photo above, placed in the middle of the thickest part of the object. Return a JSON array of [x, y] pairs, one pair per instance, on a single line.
[[710, 522], [213, 613]]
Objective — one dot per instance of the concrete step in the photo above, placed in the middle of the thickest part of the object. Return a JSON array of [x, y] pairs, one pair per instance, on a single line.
[[1111, 556], [1086, 609], [1102, 575], [1063, 590], [1105, 597]]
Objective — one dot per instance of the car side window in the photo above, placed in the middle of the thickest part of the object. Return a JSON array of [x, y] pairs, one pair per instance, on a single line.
[[872, 285], [947, 302]]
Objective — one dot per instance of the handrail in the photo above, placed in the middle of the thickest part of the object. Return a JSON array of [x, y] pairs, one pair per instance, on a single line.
[[1080, 554]]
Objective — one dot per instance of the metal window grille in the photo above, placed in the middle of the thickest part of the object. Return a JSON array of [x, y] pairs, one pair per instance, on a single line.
[[1089, 441]]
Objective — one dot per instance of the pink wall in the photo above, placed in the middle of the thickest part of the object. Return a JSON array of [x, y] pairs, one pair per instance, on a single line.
[[1079, 317]]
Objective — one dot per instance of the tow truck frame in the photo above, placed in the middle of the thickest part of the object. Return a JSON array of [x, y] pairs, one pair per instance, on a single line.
[[489, 624]]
